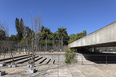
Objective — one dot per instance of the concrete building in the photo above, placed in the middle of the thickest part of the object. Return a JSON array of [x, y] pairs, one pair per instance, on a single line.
[[103, 37]]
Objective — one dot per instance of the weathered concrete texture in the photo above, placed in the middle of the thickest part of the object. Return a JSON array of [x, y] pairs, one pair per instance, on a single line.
[[105, 36], [64, 70], [60, 69]]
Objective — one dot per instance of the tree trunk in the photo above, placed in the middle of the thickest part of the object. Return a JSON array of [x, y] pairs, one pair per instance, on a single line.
[[62, 44], [59, 44], [12, 58], [4, 57], [46, 43], [54, 44]]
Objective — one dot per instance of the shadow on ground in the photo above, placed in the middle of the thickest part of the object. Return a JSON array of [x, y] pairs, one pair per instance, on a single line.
[[100, 58]]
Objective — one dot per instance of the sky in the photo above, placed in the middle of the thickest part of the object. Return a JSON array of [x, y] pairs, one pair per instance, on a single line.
[[75, 15]]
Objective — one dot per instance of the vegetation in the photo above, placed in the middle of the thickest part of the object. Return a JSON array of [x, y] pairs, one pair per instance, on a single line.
[[61, 34], [74, 37], [70, 56], [2, 35], [46, 38], [35, 38]]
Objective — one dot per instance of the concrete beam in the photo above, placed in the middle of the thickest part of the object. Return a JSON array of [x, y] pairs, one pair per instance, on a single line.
[[105, 36]]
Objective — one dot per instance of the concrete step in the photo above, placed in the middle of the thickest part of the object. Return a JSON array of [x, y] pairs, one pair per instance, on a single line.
[[24, 60], [16, 59], [14, 56]]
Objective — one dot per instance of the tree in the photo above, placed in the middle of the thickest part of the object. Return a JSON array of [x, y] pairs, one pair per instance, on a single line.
[[2, 35], [3, 30], [84, 33], [19, 27], [13, 38], [77, 36], [62, 33], [54, 35], [27, 36], [36, 27], [42, 28], [72, 38], [81, 34], [4, 40], [45, 34]]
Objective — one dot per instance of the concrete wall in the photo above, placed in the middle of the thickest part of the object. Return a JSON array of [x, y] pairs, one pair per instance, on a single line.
[[61, 57], [105, 35]]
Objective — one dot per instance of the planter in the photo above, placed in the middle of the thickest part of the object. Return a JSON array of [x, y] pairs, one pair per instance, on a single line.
[[3, 64], [2, 73], [33, 70], [12, 65], [29, 65]]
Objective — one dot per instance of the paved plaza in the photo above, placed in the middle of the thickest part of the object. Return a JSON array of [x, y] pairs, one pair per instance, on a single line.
[[63, 70], [60, 69]]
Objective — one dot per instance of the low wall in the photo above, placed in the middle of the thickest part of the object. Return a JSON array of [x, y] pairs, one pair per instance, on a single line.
[[61, 56]]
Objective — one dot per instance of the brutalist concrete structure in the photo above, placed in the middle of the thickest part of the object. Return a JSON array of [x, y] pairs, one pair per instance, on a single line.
[[103, 37]]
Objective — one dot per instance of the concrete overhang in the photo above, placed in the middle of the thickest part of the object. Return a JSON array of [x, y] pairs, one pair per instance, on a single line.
[[104, 37]]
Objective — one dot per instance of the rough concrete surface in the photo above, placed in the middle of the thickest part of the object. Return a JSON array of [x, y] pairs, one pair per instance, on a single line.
[[60, 69], [105, 36], [63, 70]]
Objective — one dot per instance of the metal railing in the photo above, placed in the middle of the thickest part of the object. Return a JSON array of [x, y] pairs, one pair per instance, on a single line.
[[98, 59]]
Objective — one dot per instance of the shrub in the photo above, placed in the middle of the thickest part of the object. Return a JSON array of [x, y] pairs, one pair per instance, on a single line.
[[70, 56]]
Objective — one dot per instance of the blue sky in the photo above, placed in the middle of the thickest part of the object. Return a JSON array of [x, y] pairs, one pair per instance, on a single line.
[[75, 15]]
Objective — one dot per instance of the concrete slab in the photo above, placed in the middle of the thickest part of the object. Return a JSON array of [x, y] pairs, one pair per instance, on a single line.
[[62, 70], [74, 71]]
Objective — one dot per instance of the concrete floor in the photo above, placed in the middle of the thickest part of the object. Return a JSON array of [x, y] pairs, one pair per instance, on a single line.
[[63, 70], [60, 69]]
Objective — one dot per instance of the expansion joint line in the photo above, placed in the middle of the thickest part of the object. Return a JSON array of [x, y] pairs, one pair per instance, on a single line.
[[69, 70], [81, 72]]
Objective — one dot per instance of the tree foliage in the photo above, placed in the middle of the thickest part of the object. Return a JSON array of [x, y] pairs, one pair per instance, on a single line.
[[26, 35], [13, 38], [74, 37], [62, 34], [2, 35], [20, 28], [70, 56]]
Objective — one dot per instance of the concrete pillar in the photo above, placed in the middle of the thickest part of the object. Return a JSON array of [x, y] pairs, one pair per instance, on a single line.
[[93, 49]]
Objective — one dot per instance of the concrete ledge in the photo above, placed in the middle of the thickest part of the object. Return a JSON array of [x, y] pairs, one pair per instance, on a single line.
[[100, 38]]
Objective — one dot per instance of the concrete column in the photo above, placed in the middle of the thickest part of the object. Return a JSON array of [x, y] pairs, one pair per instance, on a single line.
[[93, 49]]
